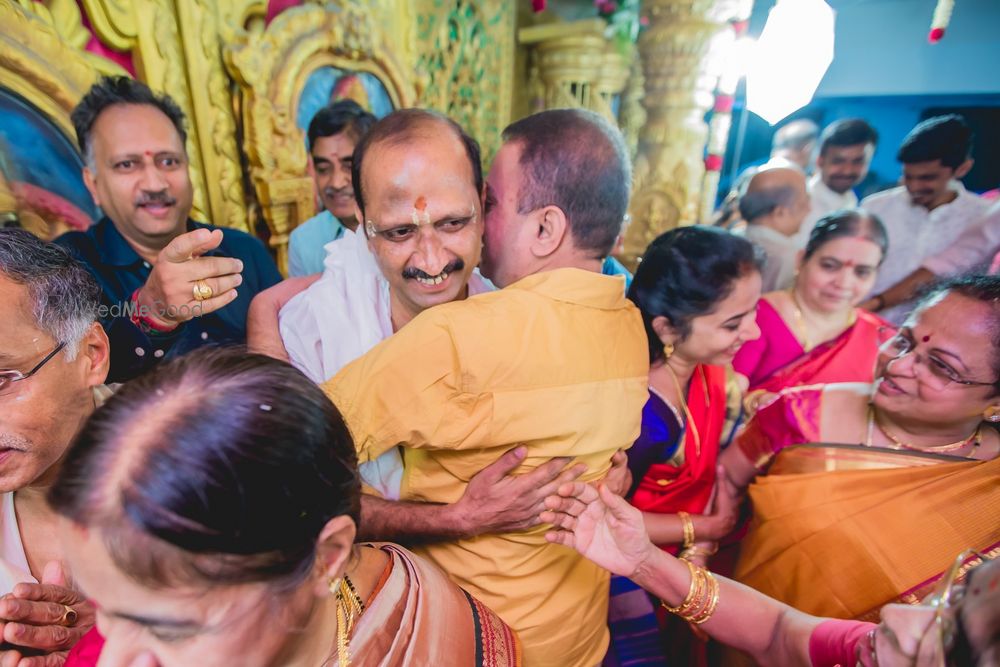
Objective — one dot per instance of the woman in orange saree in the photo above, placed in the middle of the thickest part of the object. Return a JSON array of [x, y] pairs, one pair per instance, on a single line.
[[840, 530], [814, 333], [696, 290]]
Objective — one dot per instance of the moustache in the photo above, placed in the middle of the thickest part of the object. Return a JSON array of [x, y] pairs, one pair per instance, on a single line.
[[412, 272], [147, 198], [338, 192]]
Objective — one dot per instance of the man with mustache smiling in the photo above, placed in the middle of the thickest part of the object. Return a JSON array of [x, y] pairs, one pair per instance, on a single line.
[[333, 132], [376, 279], [169, 284]]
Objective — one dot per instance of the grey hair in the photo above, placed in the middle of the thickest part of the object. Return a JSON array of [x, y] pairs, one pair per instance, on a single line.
[[64, 296], [762, 202]]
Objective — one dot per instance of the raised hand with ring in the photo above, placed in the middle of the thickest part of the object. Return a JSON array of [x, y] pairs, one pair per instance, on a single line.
[[202, 291]]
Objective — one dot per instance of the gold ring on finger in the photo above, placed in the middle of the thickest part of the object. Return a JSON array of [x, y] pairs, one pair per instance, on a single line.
[[69, 616], [202, 291]]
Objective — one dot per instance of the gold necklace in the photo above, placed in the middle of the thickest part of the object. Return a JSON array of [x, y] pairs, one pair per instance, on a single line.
[[899, 444], [350, 606], [800, 321], [682, 397]]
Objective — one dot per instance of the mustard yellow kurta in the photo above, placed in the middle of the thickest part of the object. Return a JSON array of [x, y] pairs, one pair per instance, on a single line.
[[557, 361]]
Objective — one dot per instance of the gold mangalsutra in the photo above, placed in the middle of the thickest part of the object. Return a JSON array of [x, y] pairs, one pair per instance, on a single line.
[[682, 397], [800, 321], [350, 606], [975, 439]]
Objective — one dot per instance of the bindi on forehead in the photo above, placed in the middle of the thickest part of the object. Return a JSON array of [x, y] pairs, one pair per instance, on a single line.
[[926, 338]]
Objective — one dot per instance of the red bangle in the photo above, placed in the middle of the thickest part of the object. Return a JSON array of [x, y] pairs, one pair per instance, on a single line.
[[142, 321]]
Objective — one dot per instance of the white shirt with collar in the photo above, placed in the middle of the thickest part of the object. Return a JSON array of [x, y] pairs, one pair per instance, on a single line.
[[339, 318], [916, 233], [823, 201], [972, 250]]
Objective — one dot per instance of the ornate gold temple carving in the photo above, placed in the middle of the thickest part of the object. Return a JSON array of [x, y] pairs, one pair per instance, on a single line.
[[212, 114], [576, 66], [464, 60], [271, 67], [678, 91], [37, 64]]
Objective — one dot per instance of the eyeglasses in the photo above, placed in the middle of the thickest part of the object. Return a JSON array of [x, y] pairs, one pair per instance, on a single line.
[[937, 373], [7, 378]]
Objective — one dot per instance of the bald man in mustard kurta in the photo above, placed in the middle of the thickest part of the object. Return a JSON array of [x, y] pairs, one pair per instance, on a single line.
[[557, 362]]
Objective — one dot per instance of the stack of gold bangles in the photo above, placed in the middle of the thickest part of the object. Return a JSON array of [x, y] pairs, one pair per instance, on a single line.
[[702, 597]]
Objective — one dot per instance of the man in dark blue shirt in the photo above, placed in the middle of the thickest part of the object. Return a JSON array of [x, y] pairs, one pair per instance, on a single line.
[[169, 284]]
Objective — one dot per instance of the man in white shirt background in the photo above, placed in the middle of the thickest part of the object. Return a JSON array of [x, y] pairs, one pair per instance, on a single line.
[[846, 148], [54, 358], [974, 250], [932, 208]]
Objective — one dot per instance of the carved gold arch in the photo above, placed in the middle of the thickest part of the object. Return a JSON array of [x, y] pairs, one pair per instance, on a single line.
[[271, 67], [50, 73], [37, 64]]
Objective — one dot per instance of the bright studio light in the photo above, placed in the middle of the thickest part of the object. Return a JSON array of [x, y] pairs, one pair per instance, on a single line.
[[790, 58]]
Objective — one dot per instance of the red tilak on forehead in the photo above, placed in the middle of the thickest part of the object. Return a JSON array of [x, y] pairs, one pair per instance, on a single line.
[[926, 338], [149, 153], [420, 204]]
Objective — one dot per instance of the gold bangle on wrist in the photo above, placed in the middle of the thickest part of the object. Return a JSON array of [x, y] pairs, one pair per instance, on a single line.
[[688, 525], [702, 598], [695, 551]]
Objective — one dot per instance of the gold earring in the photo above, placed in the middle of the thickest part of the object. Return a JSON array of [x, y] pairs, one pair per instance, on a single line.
[[335, 585], [668, 350], [992, 414]]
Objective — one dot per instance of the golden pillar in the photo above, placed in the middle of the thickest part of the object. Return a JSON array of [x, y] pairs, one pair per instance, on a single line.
[[574, 65], [669, 164]]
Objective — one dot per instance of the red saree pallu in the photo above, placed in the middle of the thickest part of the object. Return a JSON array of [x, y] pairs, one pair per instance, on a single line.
[[668, 489]]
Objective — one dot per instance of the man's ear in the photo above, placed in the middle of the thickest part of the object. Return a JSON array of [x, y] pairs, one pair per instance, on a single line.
[[964, 168], [551, 230], [96, 350], [90, 181]]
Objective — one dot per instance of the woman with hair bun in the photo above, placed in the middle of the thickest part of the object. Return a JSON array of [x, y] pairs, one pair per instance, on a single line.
[[210, 510]]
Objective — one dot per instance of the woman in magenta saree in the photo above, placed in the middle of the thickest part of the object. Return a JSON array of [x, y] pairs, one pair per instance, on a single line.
[[696, 290], [814, 333], [842, 529]]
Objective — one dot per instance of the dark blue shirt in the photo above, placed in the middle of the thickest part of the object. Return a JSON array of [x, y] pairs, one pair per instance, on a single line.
[[120, 271]]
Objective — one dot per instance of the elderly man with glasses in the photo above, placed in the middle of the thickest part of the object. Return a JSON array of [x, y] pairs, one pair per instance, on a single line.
[[53, 363]]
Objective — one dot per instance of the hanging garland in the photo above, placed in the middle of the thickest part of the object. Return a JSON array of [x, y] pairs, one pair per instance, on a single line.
[[942, 16]]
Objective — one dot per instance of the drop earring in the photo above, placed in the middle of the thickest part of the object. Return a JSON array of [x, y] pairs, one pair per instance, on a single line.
[[668, 350], [992, 414]]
